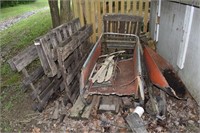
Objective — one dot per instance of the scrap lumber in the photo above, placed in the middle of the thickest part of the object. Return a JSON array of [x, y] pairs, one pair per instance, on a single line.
[[77, 109], [136, 123], [81, 110], [71, 57], [110, 103], [88, 108], [47, 45], [42, 86]]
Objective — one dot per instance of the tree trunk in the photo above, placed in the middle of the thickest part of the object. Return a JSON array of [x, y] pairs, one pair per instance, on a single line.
[[53, 4], [65, 12]]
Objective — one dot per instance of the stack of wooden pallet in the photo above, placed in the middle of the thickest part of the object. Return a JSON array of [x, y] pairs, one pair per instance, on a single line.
[[53, 62]]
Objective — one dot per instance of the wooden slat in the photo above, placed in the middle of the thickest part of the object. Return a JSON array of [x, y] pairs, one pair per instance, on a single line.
[[146, 15], [75, 5], [93, 20], [76, 110], [25, 73], [110, 6], [128, 6], [110, 103], [87, 10], [41, 87], [136, 123], [120, 17], [122, 6], [88, 109], [35, 75], [47, 52], [81, 12], [41, 55], [140, 7], [116, 6], [134, 7], [99, 19], [49, 91], [104, 7], [24, 58]]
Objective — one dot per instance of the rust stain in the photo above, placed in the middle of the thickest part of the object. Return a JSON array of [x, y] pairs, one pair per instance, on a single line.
[[154, 72], [125, 82]]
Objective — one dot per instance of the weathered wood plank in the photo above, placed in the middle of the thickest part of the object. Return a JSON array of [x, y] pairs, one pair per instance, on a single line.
[[87, 7], [47, 52], [88, 108], [128, 6], [24, 58], [134, 7], [52, 86], [110, 6], [93, 20], [51, 89], [136, 123], [122, 7], [120, 17], [140, 7], [81, 12], [76, 110], [99, 18], [116, 6], [75, 5], [41, 55], [146, 15], [41, 87], [110, 103], [35, 75]]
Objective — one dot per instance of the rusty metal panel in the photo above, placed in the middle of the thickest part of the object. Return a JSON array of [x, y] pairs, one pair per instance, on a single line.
[[125, 82], [154, 72], [159, 60]]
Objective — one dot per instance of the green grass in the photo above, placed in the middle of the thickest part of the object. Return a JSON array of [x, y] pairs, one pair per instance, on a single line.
[[10, 12], [19, 36], [12, 41]]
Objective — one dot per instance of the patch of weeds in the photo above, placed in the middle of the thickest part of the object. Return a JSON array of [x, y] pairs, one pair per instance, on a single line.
[[8, 106], [11, 98], [19, 36], [9, 77], [6, 127]]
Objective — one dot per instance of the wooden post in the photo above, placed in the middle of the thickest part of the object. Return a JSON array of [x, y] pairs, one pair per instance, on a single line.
[[110, 6], [146, 14], [104, 7], [134, 7], [81, 12], [122, 6], [87, 7], [75, 3], [140, 7], [99, 19], [116, 6], [128, 6], [93, 20]]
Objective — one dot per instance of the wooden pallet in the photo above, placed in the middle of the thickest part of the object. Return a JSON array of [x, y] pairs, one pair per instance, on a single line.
[[47, 45], [69, 43], [42, 86], [71, 57]]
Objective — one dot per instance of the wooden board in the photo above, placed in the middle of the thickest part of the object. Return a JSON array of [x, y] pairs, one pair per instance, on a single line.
[[110, 103], [24, 58], [136, 123]]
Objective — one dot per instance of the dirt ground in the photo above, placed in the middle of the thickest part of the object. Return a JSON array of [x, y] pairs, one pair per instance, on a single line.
[[182, 116]]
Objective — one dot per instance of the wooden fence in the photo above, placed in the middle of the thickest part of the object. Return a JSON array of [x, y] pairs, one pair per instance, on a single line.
[[91, 11]]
